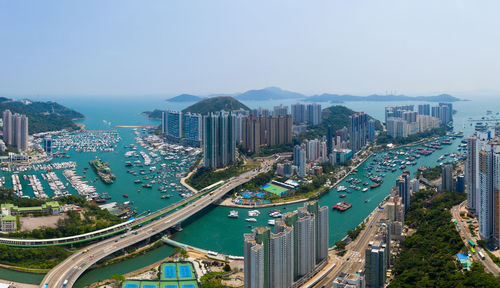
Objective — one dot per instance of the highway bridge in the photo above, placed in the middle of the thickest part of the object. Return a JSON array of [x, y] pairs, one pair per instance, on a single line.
[[106, 232], [70, 269]]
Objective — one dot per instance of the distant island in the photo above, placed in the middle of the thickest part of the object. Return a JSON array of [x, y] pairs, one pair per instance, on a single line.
[[275, 93], [185, 98], [43, 116], [335, 98], [270, 93], [214, 104]]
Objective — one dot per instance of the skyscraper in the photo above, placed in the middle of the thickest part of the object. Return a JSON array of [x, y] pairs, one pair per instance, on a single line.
[[281, 110], [313, 113], [7, 127], [282, 259], [357, 131], [47, 144], [251, 134], [403, 184], [447, 178], [15, 129], [302, 163], [377, 257], [371, 130], [219, 144], [298, 113], [424, 109], [193, 127], [489, 190], [329, 140], [471, 171]]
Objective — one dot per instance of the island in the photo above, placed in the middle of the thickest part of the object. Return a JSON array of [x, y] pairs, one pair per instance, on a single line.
[[43, 116], [214, 104]]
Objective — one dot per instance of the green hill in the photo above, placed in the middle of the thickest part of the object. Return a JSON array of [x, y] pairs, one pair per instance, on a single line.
[[43, 116], [338, 117], [155, 114], [215, 104]]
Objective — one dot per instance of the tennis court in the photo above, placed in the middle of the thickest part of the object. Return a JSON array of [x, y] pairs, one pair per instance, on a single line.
[[170, 285], [131, 285], [185, 272], [187, 286], [169, 272], [275, 189], [149, 286]]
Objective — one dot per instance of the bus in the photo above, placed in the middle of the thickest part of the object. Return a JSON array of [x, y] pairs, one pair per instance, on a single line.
[[481, 255], [472, 249], [472, 243]]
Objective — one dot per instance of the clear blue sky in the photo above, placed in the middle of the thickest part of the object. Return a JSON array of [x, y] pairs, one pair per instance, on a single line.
[[202, 47]]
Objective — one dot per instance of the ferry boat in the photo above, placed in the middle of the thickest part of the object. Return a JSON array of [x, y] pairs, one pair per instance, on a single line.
[[251, 220], [342, 206], [233, 214]]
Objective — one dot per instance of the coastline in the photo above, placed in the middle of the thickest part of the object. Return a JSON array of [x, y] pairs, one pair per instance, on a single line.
[[228, 201]]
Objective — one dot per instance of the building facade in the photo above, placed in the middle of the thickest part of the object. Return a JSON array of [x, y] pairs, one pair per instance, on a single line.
[[219, 143]]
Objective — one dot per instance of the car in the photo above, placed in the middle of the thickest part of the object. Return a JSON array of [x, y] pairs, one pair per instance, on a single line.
[[116, 240]]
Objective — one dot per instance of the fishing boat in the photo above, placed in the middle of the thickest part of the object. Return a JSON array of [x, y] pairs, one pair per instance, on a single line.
[[342, 206], [342, 195], [125, 195]]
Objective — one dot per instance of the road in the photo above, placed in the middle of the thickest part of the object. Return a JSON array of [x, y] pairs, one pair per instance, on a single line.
[[70, 269], [353, 259], [488, 264]]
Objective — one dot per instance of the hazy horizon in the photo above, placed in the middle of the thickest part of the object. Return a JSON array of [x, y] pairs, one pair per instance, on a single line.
[[166, 48]]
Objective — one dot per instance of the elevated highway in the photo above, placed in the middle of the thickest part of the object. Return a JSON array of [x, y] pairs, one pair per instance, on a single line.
[[70, 269]]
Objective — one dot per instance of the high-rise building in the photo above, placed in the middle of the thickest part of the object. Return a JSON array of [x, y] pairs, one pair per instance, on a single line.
[[447, 110], [281, 110], [377, 259], [424, 109], [301, 162], [460, 186], [15, 130], [266, 131], [403, 184], [447, 177], [219, 143], [471, 173], [7, 127], [357, 131], [174, 123], [313, 114], [371, 130], [329, 140], [193, 127], [489, 190], [282, 259], [251, 134], [298, 113], [47, 144]]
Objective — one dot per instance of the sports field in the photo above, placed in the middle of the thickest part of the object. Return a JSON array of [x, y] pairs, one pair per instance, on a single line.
[[276, 190]]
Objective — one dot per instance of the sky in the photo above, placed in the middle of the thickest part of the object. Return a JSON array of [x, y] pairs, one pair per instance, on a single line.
[[202, 47]]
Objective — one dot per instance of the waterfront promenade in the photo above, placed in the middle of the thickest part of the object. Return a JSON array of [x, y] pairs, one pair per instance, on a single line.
[[71, 268]]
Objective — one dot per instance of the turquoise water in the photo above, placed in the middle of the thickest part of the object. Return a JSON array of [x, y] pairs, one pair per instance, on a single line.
[[213, 230]]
